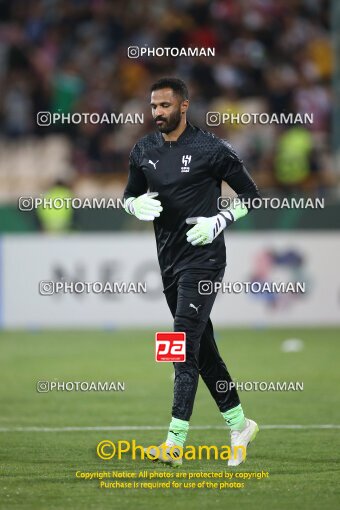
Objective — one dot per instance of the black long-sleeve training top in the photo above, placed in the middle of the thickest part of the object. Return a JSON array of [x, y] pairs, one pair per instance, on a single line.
[[187, 174]]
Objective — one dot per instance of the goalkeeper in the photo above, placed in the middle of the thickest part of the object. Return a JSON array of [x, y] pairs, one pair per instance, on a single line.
[[175, 180]]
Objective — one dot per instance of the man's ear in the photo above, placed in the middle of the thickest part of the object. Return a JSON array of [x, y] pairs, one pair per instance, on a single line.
[[184, 106]]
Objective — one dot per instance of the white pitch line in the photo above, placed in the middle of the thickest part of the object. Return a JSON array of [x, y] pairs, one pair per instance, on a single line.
[[152, 427]]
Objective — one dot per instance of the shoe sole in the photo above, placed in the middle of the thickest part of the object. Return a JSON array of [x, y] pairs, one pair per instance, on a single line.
[[174, 464], [252, 437], [171, 464]]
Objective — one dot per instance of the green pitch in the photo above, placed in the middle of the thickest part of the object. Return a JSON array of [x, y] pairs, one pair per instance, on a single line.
[[38, 467]]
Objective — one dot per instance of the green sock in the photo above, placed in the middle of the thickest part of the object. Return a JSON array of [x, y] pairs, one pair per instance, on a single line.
[[178, 430], [234, 418]]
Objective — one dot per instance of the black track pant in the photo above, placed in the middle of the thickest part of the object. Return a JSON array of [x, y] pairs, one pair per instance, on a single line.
[[191, 311]]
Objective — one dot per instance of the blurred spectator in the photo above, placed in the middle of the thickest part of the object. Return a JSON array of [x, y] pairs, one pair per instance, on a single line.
[[58, 215], [294, 158]]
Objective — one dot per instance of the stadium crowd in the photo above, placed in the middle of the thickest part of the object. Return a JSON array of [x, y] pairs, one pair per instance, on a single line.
[[271, 56]]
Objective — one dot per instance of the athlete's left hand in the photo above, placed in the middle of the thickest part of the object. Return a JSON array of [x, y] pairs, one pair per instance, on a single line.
[[205, 229]]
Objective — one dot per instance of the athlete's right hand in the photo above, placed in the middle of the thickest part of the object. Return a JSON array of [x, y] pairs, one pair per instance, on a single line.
[[144, 207]]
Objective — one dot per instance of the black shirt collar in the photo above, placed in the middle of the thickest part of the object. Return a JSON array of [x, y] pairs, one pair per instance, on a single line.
[[183, 138]]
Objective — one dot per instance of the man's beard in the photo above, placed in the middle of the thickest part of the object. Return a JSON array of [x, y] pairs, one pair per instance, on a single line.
[[169, 124]]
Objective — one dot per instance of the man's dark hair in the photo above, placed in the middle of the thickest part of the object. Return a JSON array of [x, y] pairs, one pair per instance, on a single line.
[[178, 86]]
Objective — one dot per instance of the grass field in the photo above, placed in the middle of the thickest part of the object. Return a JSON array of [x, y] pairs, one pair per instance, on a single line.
[[38, 465]]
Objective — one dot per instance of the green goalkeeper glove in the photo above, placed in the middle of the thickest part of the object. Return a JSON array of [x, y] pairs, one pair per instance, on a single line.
[[207, 229], [144, 207]]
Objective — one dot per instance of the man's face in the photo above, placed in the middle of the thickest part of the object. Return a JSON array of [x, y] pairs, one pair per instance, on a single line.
[[167, 109]]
